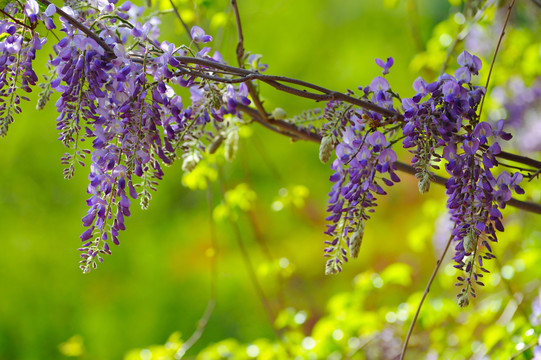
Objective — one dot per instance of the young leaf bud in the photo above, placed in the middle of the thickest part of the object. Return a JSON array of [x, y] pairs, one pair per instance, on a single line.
[[279, 114], [326, 148], [215, 144]]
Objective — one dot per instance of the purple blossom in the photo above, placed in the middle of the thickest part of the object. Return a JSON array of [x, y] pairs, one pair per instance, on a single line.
[[482, 131], [379, 84], [46, 17], [199, 36], [472, 62], [31, 10], [475, 196], [353, 195], [385, 65]]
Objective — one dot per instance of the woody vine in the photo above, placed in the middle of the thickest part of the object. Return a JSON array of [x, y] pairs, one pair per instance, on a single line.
[[119, 113]]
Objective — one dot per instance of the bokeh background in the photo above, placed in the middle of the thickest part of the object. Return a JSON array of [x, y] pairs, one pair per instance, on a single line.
[[157, 281]]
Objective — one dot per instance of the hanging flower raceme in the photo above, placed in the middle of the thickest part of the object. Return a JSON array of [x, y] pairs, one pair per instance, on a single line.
[[364, 163], [436, 120], [18, 46], [440, 122]]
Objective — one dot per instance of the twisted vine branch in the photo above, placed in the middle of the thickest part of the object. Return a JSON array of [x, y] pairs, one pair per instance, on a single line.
[[277, 82]]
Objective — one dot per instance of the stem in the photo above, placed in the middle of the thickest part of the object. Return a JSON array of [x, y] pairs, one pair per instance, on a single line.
[[202, 323], [523, 205], [427, 289], [184, 25], [509, 8], [248, 263], [274, 81], [252, 274], [413, 21], [240, 56], [15, 20]]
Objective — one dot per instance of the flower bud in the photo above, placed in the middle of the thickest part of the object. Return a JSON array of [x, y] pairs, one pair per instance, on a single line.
[[332, 267], [279, 114], [356, 240], [190, 162], [326, 148], [470, 241], [231, 145], [463, 299], [424, 183]]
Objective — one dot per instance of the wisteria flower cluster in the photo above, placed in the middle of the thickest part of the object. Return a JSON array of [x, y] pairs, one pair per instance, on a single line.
[[365, 162], [18, 49], [447, 121], [117, 108], [439, 122]]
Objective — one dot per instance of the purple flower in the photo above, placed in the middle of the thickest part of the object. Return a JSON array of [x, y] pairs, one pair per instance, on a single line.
[[31, 10], [472, 62], [46, 17], [470, 145], [353, 194], [463, 75], [386, 66], [379, 84], [199, 36], [482, 131]]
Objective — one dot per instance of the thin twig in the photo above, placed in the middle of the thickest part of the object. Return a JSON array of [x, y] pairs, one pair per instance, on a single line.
[[450, 51], [496, 53], [251, 272], [466, 30], [523, 205], [248, 262], [240, 60], [453, 45], [202, 323], [530, 345], [413, 21], [240, 44], [517, 158], [258, 144], [184, 25], [274, 81], [279, 126], [16, 20], [427, 289], [257, 118], [518, 168], [510, 290]]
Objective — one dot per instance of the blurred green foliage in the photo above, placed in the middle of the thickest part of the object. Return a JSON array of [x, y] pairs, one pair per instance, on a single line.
[[155, 286]]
